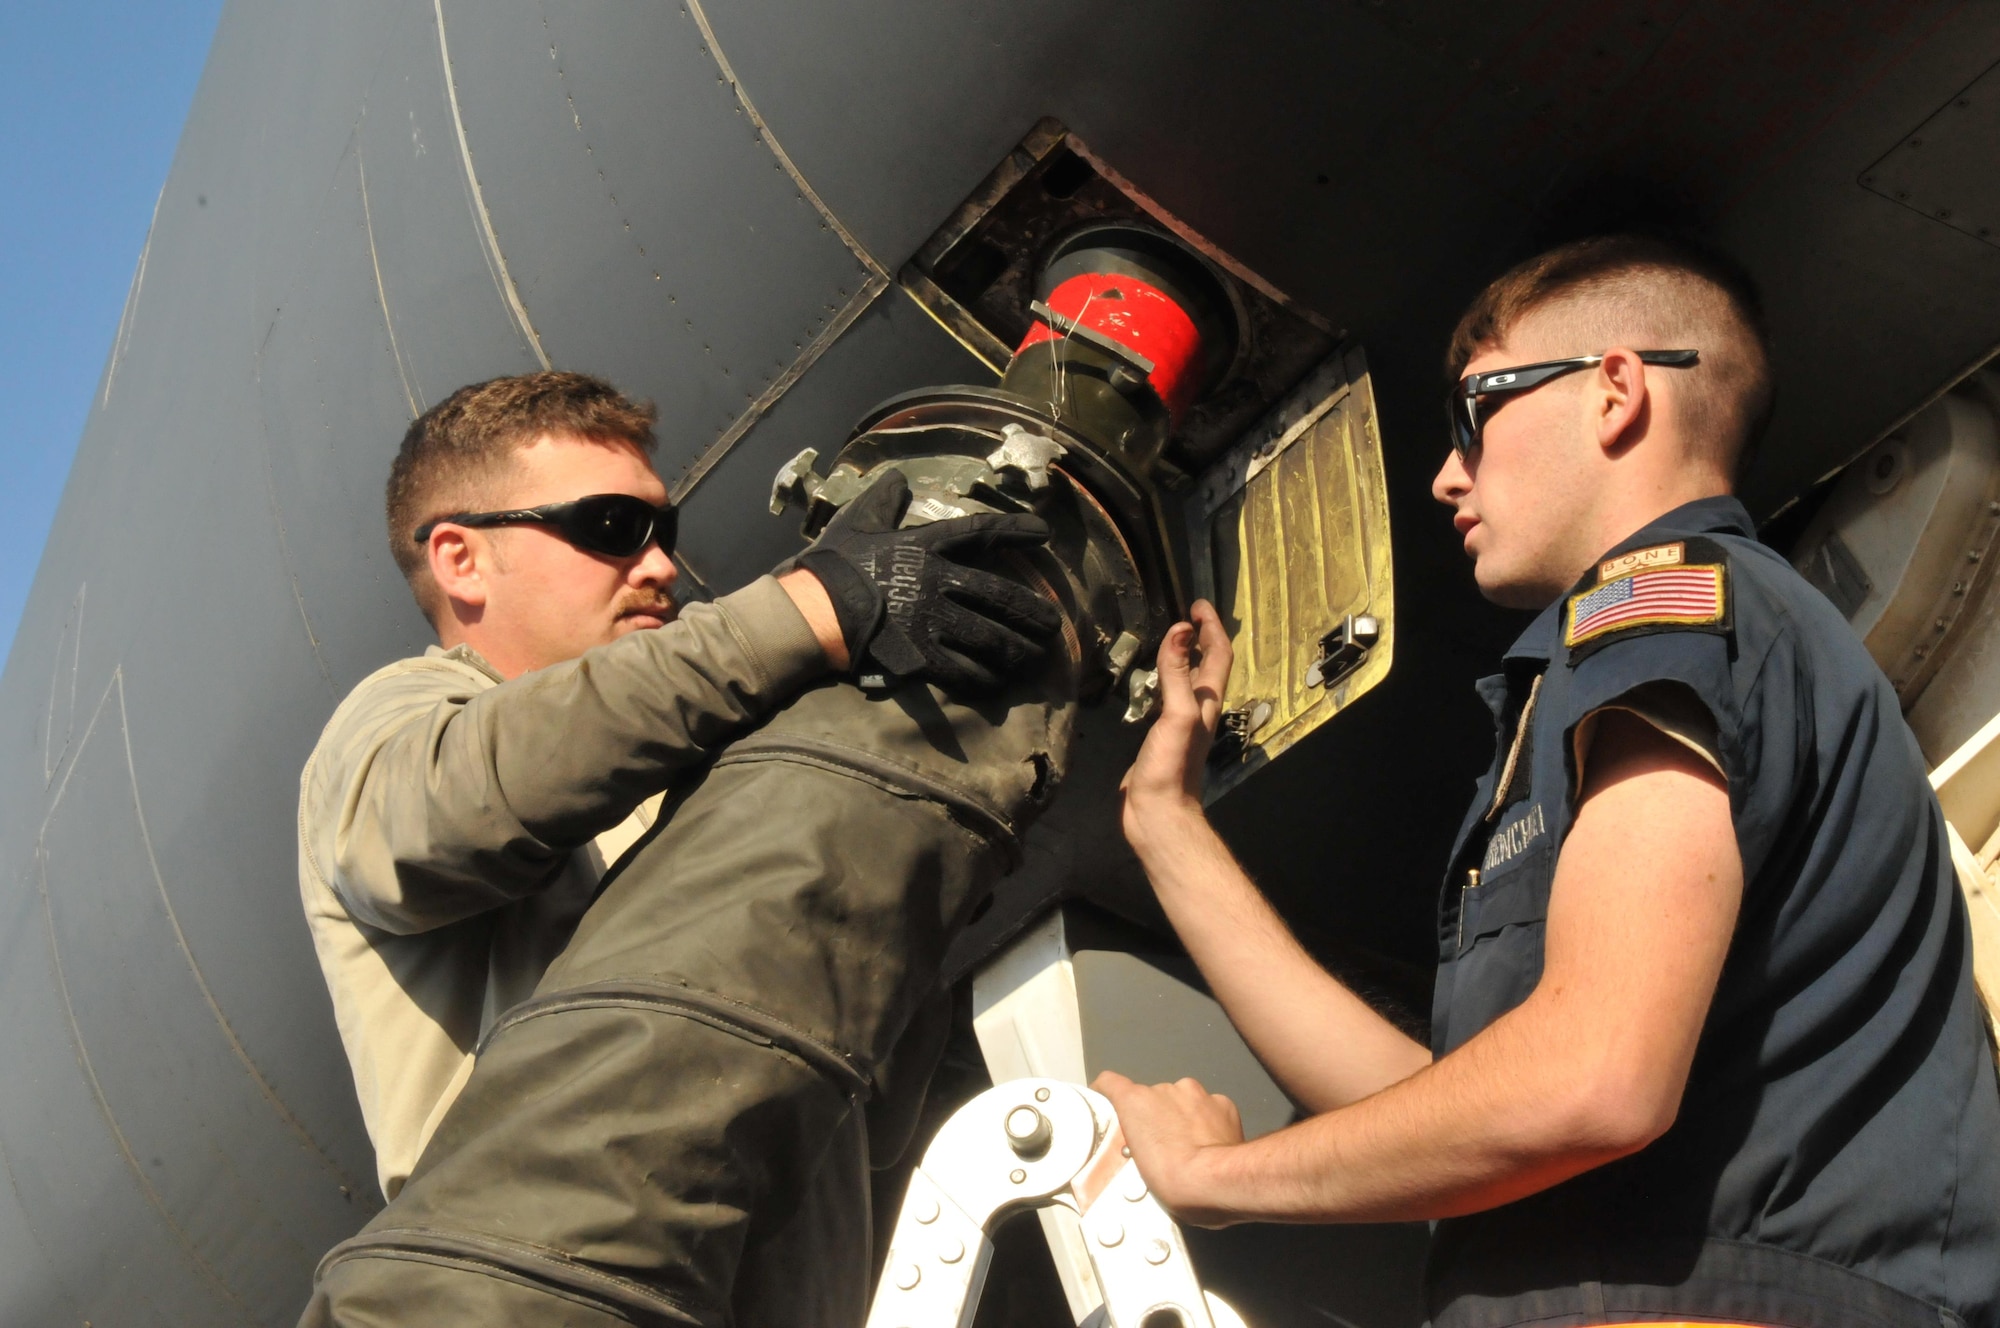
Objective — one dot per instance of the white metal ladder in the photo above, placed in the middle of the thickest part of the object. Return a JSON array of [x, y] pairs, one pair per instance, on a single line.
[[1037, 1143]]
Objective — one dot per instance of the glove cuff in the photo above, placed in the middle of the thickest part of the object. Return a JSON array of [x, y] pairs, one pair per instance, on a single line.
[[858, 604]]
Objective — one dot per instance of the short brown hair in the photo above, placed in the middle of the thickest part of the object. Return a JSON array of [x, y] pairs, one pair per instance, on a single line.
[[1639, 287], [455, 455]]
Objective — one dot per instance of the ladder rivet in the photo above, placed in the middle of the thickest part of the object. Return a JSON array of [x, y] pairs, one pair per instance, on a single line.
[[1017, 1175], [1041, 1095], [1028, 1131]]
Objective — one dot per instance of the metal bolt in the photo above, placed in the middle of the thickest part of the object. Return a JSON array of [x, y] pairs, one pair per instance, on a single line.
[[1972, 555], [1126, 1151], [908, 1276], [1157, 1253], [1017, 1175], [927, 1212], [1111, 1235], [1958, 587], [1042, 1094], [1942, 624], [1028, 1132]]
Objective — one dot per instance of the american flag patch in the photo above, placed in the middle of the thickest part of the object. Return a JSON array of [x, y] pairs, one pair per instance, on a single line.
[[1668, 596]]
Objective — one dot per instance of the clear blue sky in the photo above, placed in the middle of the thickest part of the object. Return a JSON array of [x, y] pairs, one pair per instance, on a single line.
[[95, 94]]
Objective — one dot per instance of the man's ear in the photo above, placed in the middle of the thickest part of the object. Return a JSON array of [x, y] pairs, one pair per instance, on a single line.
[[459, 559], [1619, 402]]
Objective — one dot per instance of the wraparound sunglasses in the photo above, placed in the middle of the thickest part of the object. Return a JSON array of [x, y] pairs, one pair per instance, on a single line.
[[614, 524], [1466, 405]]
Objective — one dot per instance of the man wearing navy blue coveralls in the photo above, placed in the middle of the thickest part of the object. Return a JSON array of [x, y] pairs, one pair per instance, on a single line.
[[1704, 1042]]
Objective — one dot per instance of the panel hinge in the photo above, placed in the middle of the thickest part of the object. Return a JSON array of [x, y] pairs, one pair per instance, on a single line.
[[1238, 725]]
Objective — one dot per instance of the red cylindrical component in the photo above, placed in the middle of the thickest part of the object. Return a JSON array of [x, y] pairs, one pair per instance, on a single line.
[[1139, 316]]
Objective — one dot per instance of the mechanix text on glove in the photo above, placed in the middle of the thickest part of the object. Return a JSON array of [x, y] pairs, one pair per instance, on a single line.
[[910, 608]]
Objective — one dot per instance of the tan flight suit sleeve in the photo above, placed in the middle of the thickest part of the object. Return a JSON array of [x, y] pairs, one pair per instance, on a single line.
[[458, 805], [1670, 707]]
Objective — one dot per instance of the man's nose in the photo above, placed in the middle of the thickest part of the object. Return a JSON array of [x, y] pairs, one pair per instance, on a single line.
[[654, 568], [1453, 481]]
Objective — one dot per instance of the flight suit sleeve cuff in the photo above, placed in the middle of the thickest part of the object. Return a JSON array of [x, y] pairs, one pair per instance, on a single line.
[[1670, 707], [777, 637]]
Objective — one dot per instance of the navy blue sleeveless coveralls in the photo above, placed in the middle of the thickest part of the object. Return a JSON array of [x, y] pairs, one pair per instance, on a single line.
[[1836, 1158]]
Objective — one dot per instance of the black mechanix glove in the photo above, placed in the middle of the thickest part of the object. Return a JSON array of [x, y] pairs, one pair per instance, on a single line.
[[909, 609]]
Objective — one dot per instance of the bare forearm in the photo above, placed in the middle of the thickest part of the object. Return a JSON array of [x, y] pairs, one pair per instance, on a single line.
[[1481, 1128], [1590, 1067], [1325, 1045]]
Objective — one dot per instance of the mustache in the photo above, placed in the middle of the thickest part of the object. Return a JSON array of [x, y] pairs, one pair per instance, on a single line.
[[661, 606]]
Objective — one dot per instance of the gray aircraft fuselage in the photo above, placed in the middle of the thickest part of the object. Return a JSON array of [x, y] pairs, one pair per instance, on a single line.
[[378, 201]]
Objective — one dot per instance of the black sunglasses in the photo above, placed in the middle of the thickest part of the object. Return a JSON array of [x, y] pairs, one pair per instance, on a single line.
[[1463, 406], [614, 524]]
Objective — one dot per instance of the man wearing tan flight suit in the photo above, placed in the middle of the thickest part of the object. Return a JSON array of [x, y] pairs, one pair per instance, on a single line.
[[462, 806]]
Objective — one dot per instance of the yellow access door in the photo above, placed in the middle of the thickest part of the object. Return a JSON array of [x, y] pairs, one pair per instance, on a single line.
[[1288, 535]]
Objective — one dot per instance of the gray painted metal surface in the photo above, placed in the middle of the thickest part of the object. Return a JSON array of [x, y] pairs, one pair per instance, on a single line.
[[376, 201]]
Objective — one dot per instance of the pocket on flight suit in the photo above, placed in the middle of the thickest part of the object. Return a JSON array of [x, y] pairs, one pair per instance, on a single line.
[[1501, 924]]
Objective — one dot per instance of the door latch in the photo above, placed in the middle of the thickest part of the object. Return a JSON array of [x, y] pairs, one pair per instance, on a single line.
[[1342, 649]]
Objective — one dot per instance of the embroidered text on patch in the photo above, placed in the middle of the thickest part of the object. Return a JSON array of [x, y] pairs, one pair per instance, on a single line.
[[1670, 595], [1660, 555], [1514, 837]]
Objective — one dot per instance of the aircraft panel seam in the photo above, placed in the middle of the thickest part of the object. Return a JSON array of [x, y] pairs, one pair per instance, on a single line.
[[125, 317], [693, 9], [871, 287], [285, 557], [35, 1234], [495, 259], [382, 295], [152, 1195], [72, 635], [264, 1087]]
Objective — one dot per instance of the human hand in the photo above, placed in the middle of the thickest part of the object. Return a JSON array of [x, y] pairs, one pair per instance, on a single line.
[[909, 607], [1166, 777], [1175, 1133]]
